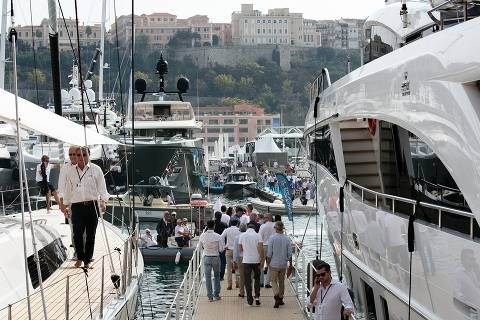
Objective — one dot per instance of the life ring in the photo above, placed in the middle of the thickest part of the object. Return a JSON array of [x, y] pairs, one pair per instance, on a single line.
[[372, 126]]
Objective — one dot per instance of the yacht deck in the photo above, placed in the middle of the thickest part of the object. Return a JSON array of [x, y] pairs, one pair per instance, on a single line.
[[84, 288]]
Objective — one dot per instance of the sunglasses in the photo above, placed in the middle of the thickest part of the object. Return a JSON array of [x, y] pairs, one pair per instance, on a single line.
[[318, 275], [72, 154], [46, 160], [82, 154]]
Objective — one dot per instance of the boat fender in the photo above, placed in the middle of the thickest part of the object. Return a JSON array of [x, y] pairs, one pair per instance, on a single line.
[[177, 257], [372, 126]]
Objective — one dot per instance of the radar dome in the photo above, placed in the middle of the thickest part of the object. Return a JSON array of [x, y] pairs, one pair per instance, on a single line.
[[74, 95]]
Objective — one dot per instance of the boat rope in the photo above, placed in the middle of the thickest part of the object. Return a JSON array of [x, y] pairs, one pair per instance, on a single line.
[[85, 271], [23, 180]]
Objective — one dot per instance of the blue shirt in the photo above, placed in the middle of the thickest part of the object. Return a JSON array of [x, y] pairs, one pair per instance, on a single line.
[[279, 250], [236, 253]]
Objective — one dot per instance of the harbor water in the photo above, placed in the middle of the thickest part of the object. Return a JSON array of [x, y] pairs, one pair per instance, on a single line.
[[161, 280]]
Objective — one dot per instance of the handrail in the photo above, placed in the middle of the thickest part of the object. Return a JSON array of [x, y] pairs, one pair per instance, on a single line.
[[95, 295], [186, 298], [414, 203]]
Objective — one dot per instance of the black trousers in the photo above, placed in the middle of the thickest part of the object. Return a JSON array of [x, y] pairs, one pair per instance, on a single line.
[[84, 219]]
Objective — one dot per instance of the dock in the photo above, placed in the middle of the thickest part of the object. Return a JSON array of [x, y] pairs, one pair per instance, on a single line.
[[232, 307], [191, 301]]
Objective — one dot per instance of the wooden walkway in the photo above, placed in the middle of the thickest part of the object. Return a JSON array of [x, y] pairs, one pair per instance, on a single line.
[[82, 304], [232, 307]]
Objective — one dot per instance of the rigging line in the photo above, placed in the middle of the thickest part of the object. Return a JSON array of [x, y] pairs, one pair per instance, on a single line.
[[34, 57], [22, 175], [85, 271], [80, 77]]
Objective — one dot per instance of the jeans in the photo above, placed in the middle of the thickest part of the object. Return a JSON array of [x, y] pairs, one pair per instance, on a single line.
[[265, 279], [247, 271], [223, 264], [210, 263]]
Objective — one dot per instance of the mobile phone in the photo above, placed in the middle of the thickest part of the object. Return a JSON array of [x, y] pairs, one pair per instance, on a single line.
[[317, 282]]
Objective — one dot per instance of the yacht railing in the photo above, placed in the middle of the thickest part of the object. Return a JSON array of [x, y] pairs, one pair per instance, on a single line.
[[96, 296], [302, 272], [440, 209], [187, 295]]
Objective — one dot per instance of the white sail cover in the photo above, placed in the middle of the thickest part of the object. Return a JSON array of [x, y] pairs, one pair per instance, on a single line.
[[36, 118]]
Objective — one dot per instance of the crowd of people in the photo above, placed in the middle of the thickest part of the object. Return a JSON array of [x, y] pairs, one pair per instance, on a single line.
[[237, 241]]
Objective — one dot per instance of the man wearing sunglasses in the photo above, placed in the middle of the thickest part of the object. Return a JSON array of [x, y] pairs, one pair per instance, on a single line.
[[62, 180], [328, 295], [86, 191]]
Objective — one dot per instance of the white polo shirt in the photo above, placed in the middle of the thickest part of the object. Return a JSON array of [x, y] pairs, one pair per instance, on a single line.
[[249, 241]]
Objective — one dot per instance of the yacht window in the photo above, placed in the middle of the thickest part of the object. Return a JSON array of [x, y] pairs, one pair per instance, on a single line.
[[385, 308], [51, 258], [380, 41], [372, 313]]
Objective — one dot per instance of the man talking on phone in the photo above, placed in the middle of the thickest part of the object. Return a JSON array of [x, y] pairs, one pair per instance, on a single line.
[[328, 295]]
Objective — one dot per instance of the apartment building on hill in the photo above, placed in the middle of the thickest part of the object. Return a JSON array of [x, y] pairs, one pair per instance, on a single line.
[[242, 123]]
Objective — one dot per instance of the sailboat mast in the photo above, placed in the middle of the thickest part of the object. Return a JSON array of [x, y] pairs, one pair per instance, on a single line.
[[55, 56], [2, 43], [100, 72]]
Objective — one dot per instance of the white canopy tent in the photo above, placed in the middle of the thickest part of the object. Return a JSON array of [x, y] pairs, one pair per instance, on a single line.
[[35, 118], [266, 150]]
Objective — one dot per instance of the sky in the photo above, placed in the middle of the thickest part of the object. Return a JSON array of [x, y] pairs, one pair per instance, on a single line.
[[217, 10]]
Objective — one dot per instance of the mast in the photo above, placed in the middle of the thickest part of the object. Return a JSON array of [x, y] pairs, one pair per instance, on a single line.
[[2, 43], [100, 72], [55, 56]]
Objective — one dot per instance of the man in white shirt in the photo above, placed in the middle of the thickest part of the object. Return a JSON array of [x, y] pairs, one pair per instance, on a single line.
[[229, 234], [62, 180], [266, 231], [243, 218], [328, 295], [212, 245], [225, 217], [85, 189], [250, 243], [148, 239]]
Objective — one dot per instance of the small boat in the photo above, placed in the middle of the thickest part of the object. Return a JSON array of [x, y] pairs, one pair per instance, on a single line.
[[197, 200], [277, 206], [172, 253], [239, 185]]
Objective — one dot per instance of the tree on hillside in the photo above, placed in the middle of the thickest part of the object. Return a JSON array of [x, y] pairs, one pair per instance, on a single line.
[[245, 86], [325, 53], [36, 77], [215, 40], [196, 36], [224, 83]]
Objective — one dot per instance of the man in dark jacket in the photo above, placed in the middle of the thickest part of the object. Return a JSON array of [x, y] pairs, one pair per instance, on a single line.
[[164, 229], [219, 227]]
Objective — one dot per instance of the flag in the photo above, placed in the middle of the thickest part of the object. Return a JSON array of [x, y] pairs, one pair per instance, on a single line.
[[70, 75], [217, 207], [284, 186]]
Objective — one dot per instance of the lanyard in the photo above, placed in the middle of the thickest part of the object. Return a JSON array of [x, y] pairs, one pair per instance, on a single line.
[[82, 174], [321, 298]]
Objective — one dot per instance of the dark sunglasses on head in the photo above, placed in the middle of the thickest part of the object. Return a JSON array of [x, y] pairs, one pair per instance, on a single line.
[[318, 275], [82, 154]]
